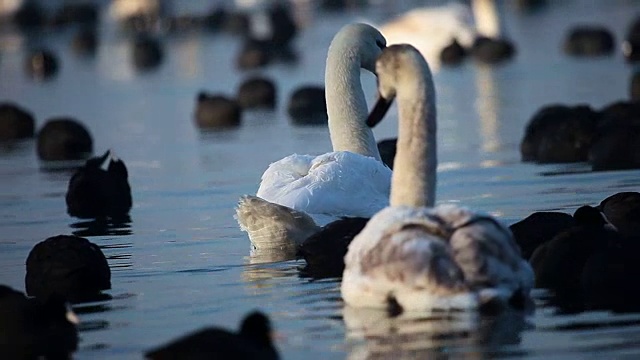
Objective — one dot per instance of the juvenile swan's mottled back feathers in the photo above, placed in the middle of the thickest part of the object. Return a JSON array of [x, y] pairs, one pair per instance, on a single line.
[[273, 226], [445, 257], [487, 252]]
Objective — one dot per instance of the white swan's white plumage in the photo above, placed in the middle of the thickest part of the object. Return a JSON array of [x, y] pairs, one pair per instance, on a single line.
[[328, 186], [430, 29], [410, 254], [120, 10], [488, 17], [350, 181]]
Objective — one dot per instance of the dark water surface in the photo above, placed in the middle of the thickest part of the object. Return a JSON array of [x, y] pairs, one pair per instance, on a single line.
[[182, 263]]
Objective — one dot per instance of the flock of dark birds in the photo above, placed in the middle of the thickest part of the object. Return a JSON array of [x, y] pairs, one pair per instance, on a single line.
[[588, 260]]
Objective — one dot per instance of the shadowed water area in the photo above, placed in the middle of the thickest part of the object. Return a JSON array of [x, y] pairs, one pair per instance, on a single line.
[[182, 263]]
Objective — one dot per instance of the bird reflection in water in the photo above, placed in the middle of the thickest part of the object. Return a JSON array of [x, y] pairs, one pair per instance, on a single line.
[[103, 227], [265, 269], [373, 334]]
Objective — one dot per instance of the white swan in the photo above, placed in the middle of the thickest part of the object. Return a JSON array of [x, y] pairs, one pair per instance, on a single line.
[[430, 29], [122, 10], [409, 254], [300, 192], [488, 16]]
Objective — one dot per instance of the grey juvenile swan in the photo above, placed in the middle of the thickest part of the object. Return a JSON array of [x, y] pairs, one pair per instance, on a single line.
[[410, 255]]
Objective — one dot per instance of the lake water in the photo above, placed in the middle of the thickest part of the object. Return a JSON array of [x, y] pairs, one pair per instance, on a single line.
[[182, 263]]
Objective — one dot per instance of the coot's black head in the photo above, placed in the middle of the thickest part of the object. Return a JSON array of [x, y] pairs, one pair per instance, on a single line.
[[54, 309], [97, 161], [33, 328], [113, 166], [57, 320], [589, 216], [118, 169], [257, 327], [6, 291]]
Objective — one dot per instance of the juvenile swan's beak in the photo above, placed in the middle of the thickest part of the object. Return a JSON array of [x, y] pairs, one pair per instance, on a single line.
[[379, 110]]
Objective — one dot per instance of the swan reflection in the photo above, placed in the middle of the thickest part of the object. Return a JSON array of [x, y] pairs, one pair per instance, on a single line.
[[373, 334]]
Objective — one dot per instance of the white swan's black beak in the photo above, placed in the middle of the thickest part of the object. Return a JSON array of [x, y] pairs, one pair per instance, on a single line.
[[379, 111]]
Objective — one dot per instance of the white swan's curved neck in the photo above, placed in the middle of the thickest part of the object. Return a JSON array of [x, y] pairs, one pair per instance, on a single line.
[[488, 15], [346, 104], [414, 175]]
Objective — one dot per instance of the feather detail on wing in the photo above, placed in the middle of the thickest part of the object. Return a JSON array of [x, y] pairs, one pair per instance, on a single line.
[[487, 253], [335, 184], [445, 257], [273, 226]]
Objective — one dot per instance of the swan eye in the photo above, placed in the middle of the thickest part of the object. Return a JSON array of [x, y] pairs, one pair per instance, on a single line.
[[380, 44]]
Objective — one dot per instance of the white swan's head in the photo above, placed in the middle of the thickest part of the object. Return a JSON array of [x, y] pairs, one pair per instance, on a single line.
[[360, 40]]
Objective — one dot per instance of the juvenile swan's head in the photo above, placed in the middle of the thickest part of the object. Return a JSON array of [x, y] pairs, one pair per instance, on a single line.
[[398, 66], [362, 41], [394, 65]]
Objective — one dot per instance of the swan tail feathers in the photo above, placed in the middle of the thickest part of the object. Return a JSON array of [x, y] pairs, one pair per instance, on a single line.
[[272, 226]]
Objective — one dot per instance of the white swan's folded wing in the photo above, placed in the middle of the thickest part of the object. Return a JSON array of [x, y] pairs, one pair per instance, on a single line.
[[277, 179], [335, 184]]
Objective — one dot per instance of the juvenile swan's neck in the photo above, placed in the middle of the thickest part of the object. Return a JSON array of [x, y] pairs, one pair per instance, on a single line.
[[414, 175], [346, 104]]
